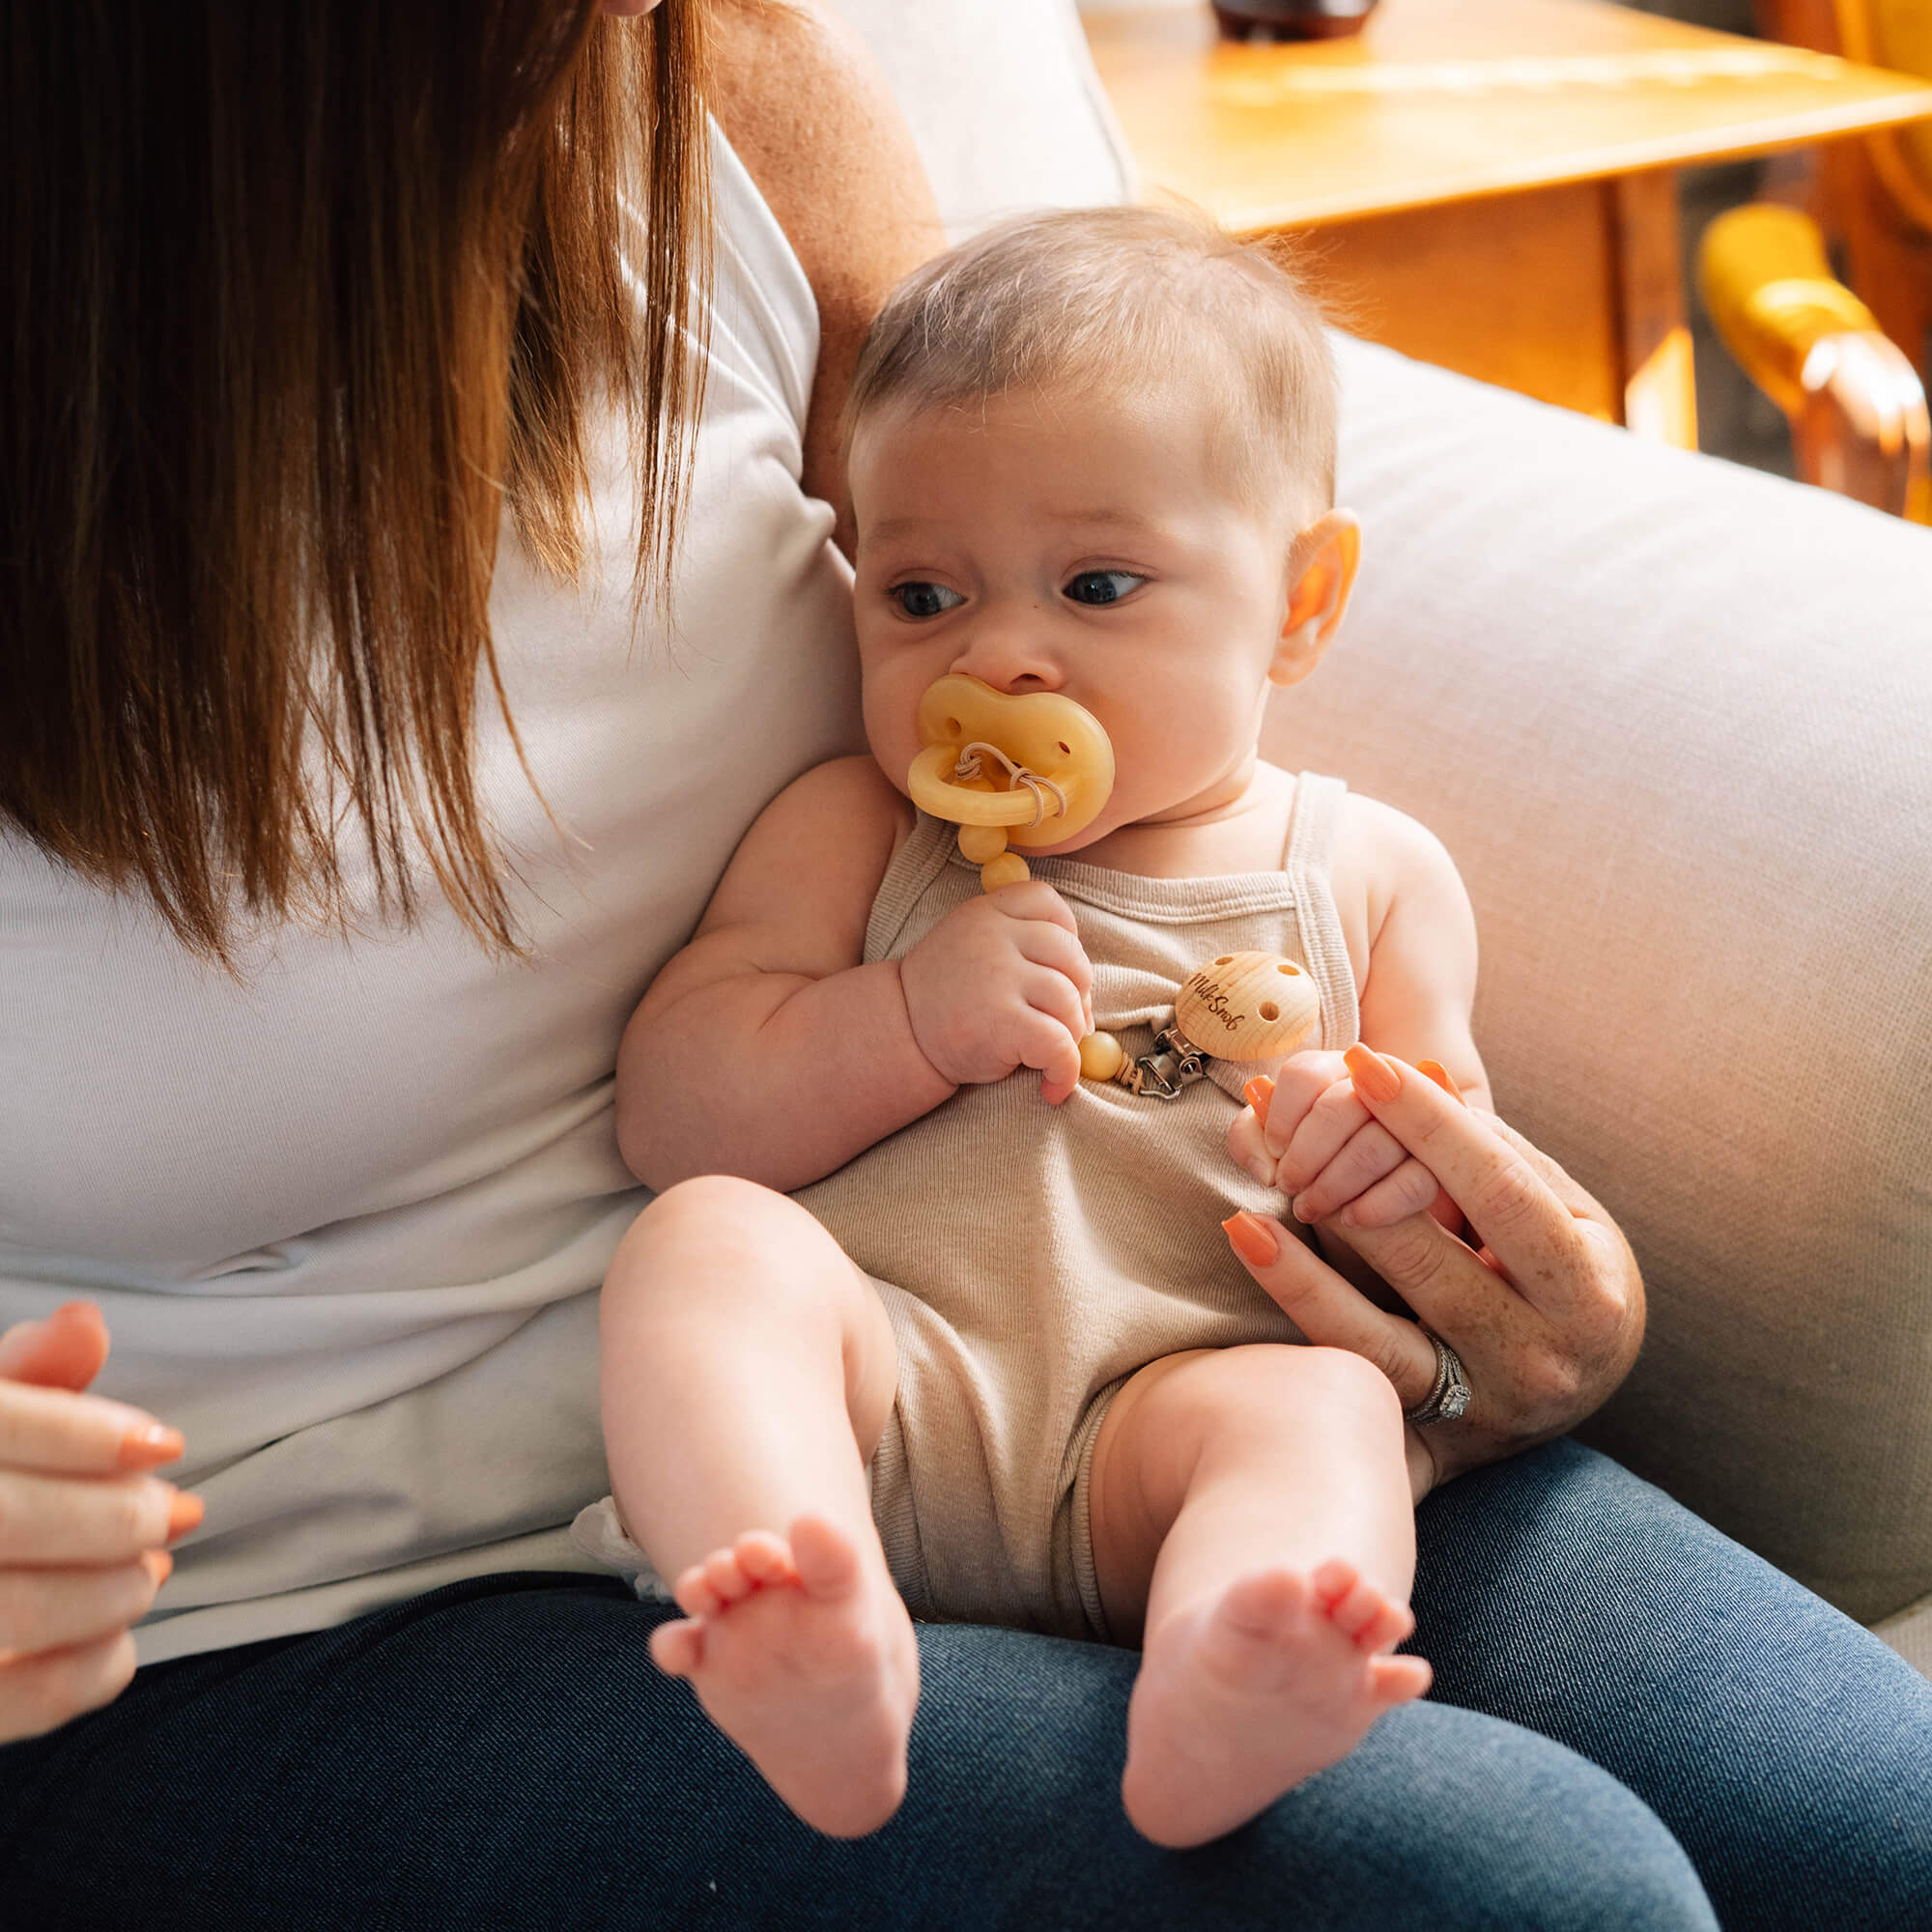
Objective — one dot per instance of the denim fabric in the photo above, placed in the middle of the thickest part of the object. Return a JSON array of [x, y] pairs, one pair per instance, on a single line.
[[1788, 1749], [501, 1753]]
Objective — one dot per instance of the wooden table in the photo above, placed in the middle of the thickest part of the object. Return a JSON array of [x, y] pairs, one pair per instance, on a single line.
[[1491, 181]]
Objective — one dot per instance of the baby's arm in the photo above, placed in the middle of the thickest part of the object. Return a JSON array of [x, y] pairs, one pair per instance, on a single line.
[[765, 1048], [1416, 995]]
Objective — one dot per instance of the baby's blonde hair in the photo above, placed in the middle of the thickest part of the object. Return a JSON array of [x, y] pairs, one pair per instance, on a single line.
[[1089, 299]]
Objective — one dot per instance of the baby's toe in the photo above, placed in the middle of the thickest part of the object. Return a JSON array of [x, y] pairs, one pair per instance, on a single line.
[[765, 1557], [677, 1649], [1360, 1612], [724, 1578], [1264, 1603], [694, 1595], [1400, 1680], [1386, 1627], [825, 1557], [1333, 1581], [723, 1574]]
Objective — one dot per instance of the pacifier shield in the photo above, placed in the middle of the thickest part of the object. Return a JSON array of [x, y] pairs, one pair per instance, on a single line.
[[1048, 737]]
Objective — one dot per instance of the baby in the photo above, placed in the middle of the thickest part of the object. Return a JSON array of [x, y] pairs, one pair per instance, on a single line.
[[990, 1361]]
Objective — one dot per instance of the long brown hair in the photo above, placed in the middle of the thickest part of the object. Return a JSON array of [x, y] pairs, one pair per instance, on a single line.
[[301, 297]]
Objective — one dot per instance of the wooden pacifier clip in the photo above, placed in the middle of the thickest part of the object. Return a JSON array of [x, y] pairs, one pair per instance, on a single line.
[[1246, 1005]]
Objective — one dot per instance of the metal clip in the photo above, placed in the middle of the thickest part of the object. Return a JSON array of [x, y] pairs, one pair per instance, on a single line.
[[1175, 1063]]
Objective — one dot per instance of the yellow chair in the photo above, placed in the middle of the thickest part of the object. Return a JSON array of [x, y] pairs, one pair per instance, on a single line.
[[1848, 372]]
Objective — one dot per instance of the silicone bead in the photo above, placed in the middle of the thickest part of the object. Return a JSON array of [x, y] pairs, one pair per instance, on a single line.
[[1008, 870], [980, 843], [1102, 1057]]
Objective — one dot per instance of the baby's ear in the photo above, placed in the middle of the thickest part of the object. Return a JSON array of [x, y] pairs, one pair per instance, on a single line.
[[1322, 573]]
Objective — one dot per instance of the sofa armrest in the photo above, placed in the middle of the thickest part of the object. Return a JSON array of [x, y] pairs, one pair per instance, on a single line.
[[1674, 720]]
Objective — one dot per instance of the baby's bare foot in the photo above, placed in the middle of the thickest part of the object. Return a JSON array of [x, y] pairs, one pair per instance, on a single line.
[[1242, 1698], [804, 1656]]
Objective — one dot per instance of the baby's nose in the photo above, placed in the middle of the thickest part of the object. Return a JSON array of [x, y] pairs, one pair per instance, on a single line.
[[1009, 656]]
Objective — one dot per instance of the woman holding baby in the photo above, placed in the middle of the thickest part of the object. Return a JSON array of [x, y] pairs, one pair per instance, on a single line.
[[317, 962]]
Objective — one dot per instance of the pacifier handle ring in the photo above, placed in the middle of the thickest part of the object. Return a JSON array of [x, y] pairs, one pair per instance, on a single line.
[[968, 767], [936, 790]]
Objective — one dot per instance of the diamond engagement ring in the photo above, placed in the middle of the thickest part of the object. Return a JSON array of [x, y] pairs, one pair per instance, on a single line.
[[1448, 1395]]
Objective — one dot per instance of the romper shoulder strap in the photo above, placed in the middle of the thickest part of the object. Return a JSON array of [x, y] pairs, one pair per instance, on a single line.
[[918, 862], [1307, 859]]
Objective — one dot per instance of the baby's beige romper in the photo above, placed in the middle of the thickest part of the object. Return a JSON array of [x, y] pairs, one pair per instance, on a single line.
[[1032, 1257]]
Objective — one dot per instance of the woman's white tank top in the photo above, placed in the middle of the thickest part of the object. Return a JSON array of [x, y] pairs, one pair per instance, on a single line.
[[346, 1218]]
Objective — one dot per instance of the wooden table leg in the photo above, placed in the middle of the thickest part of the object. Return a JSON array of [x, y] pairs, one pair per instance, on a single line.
[[1515, 289], [1572, 294], [1659, 387]]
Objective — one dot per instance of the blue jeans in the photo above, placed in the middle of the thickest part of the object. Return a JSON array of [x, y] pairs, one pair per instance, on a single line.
[[501, 1753]]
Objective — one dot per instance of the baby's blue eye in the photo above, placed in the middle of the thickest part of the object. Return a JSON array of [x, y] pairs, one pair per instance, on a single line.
[[925, 600], [1102, 586]]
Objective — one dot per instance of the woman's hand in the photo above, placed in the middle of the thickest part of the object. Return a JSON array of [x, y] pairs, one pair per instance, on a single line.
[[81, 1524], [1332, 1156], [1546, 1316]]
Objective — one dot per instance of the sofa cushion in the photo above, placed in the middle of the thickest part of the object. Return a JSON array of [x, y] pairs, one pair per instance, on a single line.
[[1910, 1633]]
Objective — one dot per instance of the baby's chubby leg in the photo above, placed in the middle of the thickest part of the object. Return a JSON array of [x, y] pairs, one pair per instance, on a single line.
[[747, 1371], [1253, 1517]]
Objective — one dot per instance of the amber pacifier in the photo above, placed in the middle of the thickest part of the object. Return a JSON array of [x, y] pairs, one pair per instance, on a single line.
[[1032, 766]]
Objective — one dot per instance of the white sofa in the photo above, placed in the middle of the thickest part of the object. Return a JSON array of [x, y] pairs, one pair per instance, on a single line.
[[1674, 720]]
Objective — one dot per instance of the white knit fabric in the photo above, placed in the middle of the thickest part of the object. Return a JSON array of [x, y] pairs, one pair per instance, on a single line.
[[345, 1217], [1002, 101]]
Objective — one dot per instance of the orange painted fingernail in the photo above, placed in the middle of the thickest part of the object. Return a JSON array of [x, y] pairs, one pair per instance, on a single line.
[[1442, 1077], [1258, 1093], [148, 1443], [1251, 1237], [159, 1564], [1374, 1077], [184, 1512]]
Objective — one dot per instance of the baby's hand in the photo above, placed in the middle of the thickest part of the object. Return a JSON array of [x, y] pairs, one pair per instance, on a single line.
[[1000, 983], [1328, 1155]]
